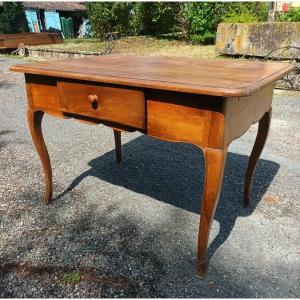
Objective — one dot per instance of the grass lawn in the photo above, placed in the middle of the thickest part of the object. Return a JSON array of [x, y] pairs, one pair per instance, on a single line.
[[140, 46]]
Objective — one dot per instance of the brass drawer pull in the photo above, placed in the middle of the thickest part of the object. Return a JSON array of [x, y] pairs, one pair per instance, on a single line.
[[93, 98]]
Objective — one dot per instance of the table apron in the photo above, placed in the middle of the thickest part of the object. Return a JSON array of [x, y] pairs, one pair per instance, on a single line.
[[202, 120], [206, 121]]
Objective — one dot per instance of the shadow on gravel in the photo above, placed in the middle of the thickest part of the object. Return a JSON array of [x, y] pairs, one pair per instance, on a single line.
[[111, 256], [5, 84], [174, 173], [7, 131], [4, 132]]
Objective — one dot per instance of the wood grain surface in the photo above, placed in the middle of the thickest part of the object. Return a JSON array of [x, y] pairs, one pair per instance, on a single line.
[[219, 78], [124, 106]]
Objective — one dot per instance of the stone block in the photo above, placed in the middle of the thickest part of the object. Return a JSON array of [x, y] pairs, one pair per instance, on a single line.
[[256, 39]]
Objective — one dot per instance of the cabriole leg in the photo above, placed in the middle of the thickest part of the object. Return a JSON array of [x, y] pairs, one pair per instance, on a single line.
[[35, 121], [262, 134], [214, 169]]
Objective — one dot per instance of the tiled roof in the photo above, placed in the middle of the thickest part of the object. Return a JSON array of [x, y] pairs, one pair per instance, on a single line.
[[66, 6]]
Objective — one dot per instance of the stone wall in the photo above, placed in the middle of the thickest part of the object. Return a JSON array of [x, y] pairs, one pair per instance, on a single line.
[[50, 54], [256, 39]]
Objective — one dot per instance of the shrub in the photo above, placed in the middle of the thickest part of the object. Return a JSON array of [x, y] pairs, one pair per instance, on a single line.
[[292, 15], [204, 39], [196, 21], [202, 19], [251, 12], [154, 18], [245, 17], [13, 19], [107, 17]]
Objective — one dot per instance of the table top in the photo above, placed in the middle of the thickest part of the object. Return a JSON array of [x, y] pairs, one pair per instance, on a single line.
[[211, 77]]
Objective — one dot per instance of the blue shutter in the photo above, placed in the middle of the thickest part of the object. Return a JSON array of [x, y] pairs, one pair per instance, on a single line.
[[32, 20], [52, 20]]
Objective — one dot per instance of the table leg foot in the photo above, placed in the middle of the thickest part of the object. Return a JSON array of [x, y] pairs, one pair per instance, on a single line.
[[262, 134], [35, 122], [118, 147], [214, 170], [201, 270]]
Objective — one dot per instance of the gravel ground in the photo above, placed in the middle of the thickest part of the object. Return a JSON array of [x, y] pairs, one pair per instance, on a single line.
[[131, 230]]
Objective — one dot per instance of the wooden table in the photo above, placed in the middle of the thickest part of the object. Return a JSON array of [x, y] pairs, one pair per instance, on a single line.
[[202, 102]]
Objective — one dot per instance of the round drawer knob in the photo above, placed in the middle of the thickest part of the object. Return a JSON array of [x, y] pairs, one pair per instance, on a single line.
[[93, 98]]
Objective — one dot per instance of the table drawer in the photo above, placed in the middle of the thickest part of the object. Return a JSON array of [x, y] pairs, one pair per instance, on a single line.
[[122, 106], [190, 118]]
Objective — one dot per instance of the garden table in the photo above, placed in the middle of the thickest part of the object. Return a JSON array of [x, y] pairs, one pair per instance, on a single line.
[[203, 102]]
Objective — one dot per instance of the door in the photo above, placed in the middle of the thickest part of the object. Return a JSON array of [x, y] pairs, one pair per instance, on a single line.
[[52, 20], [32, 20]]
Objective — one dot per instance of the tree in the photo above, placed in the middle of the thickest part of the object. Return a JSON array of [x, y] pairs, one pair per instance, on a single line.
[[154, 18], [108, 17], [13, 19], [203, 19]]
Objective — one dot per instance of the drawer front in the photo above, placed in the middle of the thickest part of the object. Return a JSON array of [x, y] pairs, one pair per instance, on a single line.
[[42, 94], [118, 105], [194, 119]]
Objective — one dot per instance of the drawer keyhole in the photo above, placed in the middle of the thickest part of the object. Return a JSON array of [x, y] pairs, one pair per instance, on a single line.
[[93, 100]]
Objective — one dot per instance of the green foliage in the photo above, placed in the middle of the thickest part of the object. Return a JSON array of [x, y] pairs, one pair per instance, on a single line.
[[154, 18], [182, 23], [195, 21], [202, 19], [207, 38], [244, 17], [13, 19], [245, 12], [72, 277], [292, 15], [109, 17]]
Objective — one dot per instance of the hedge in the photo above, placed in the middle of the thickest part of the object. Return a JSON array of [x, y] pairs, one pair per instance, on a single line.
[[194, 21]]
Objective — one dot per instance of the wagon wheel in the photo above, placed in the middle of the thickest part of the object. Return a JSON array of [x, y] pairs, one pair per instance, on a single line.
[[22, 50], [289, 54]]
